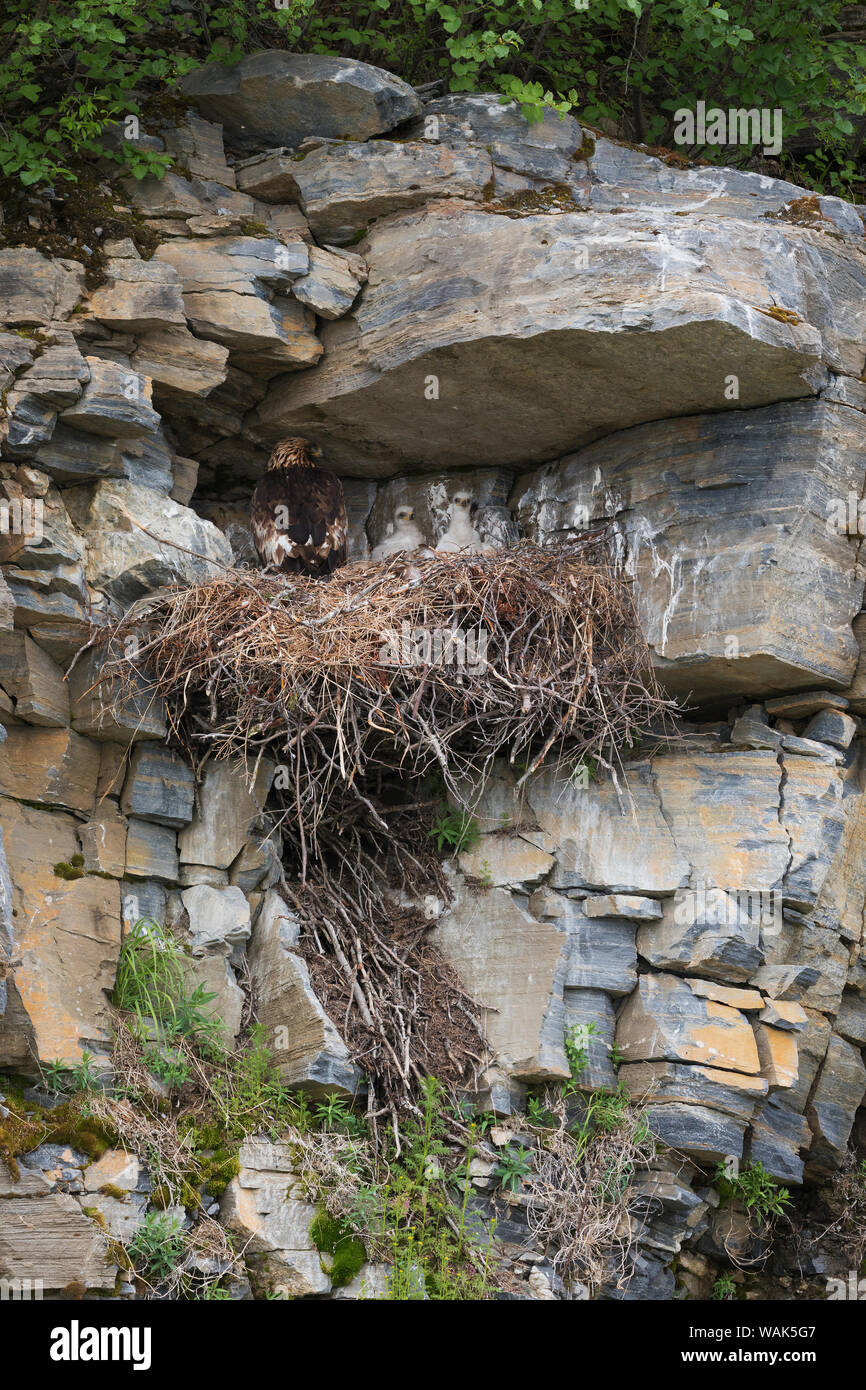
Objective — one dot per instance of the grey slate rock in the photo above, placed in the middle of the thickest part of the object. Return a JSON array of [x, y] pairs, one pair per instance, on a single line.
[[703, 1134], [778, 1135], [602, 953], [278, 98], [831, 726], [543, 152], [159, 786], [803, 704], [752, 730]]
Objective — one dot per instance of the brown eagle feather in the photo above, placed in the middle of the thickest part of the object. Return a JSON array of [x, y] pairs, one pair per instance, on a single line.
[[298, 513]]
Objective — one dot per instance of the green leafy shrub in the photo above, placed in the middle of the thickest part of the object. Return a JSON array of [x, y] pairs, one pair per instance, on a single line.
[[157, 1246], [455, 830], [576, 1043], [759, 1193], [513, 1167], [724, 1288], [152, 983], [81, 1077]]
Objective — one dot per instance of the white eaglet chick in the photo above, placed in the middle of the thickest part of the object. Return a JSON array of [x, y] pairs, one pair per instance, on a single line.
[[403, 535], [461, 534]]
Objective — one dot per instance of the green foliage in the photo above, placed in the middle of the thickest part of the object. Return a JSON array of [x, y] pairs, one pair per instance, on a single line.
[[337, 1241], [25, 1124], [539, 1113], [724, 1288], [606, 1112], [169, 1067], [334, 1113], [250, 1097], [213, 1293], [152, 983], [455, 830], [577, 1041], [513, 1167], [759, 1193], [157, 1246], [408, 1215], [72, 70], [81, 1077]]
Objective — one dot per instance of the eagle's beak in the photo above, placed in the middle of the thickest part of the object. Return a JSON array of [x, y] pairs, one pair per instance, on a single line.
[[316, 451]]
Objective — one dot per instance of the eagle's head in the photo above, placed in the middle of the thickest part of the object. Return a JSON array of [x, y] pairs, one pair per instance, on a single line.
[[403, 515], [294, 453], [464, 502]]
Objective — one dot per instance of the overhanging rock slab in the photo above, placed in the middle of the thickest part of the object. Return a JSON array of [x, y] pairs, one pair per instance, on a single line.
[[546, 331]]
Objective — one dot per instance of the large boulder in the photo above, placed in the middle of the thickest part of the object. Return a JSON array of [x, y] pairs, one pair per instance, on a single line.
[[345, 186], [546, 152], [225, 810], [47, 1244], [46, 578], [179, 364], [832, 1106], [622, 176], [219, 919], [237, 292], [608, 839], [52, 766], [138, 540], [54, 379], [115, 402], [159, 786], [666, 1021], [265, 1208], [541, 332], [277, 98], [137, 296], [33, 680], [102, 711]]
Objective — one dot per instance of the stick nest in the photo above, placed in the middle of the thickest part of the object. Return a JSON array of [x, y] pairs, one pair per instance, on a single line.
[[447, 661]]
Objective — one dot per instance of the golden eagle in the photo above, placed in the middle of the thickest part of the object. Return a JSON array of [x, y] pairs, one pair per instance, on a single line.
[[298, 513]]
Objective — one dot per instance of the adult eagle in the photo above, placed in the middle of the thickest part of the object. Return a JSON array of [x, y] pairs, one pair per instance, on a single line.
[[298, 513]]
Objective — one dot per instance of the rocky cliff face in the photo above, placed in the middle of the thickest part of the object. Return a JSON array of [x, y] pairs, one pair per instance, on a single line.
[[580, 334]]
